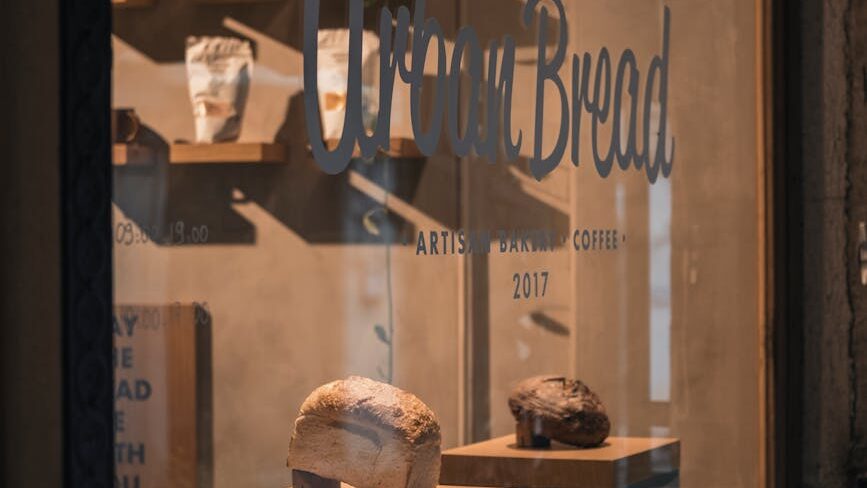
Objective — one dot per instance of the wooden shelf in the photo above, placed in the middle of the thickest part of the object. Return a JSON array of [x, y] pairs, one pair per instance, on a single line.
[[132, 155], [399, 148], [132, 3], [235, 152], [619, 461]]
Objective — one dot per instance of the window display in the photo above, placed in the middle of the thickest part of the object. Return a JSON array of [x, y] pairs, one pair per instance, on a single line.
[[517, 241]]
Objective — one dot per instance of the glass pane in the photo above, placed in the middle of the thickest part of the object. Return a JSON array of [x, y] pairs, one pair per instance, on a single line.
[[460, 260]]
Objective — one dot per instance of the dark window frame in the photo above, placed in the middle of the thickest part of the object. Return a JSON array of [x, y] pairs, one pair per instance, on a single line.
[[86, 245]]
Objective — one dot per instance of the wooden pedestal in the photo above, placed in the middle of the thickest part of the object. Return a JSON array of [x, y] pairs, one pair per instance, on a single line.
[[619, 462]]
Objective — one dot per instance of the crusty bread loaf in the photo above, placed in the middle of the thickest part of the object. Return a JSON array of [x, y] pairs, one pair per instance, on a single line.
[[367, 434], [555, 407]]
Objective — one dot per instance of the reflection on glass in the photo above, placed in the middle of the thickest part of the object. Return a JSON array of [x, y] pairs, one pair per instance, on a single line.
[[246, 277]]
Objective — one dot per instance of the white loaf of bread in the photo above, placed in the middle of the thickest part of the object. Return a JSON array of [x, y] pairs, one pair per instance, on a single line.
[[367, 434]]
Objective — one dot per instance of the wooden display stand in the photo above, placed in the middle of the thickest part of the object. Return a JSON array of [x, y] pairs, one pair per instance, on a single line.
[[619, 462]]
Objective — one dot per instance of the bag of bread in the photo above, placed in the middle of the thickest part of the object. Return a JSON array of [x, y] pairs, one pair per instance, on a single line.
[[218, 72], [333, 78]]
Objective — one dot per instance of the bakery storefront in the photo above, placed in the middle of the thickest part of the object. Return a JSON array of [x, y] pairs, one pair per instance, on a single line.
[[409, 243]]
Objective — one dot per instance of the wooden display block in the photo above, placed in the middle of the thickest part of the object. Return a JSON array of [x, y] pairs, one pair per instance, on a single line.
[[235, 152], [132, 155], [619, 462]]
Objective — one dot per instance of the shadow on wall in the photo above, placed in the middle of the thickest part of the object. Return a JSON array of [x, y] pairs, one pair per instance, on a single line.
[[160, 31], [320, 208], [167, 200]]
